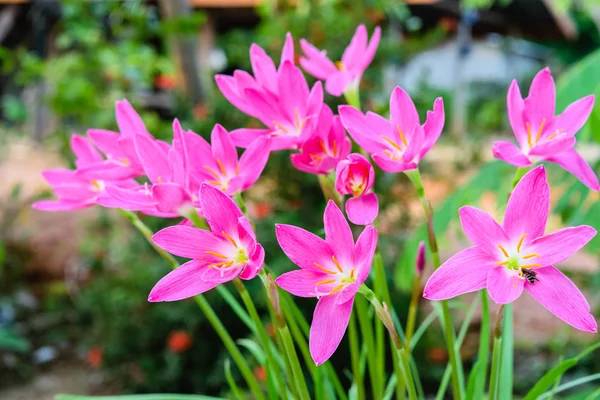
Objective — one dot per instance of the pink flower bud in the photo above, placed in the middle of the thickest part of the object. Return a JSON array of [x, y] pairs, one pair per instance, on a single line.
[[420, 264]]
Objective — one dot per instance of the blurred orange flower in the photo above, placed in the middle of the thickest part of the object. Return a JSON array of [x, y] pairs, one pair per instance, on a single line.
[[179, 342], [260, 373], [94, 357], [165, 82]]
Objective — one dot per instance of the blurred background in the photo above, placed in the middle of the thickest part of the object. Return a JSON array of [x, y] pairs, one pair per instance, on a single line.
[[73, 286]]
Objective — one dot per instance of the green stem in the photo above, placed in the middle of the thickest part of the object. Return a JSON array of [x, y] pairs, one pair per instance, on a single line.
[[193, 216], [484, 345], [496, 352], [298, 375], [366, 330], [518, 175], [355, 358], [352, 97], [271, 366], [412, 310], [453, 353], [212, 318]]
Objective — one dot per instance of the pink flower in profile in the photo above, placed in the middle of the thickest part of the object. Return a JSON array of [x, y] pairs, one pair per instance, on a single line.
[[176, 173], [76, 191], [280, 98], [517, 255], [331, 270], [328, 145], [229, 250], [121, 158], [344, 74], [397, 144], [356, 176], [541, 135]]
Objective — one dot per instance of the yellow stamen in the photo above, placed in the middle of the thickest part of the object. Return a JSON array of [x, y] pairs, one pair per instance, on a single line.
[[212, 171], [528, 134], [402, 136], [297, 117], [503, 250], [322, 144], [237, 169], [391, 142], [229, 238], [390, 155], [340, 65], [334, 150], [324, 282], [352, 273], [221, 167], [530, 266], [520, 243], [97, 185], [214, 253], [337, 289], [160, 180], [539, 133], [224, 264], [501, 262], [531, 256], [337, 264], [324, 269], [280, 127], [125, 161]]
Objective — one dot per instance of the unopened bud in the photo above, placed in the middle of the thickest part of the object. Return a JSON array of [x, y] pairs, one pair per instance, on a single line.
[[386, 317], [420, 264], [274, 298]]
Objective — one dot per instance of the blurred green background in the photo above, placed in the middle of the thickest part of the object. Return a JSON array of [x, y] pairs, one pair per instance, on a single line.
[[73, 286]]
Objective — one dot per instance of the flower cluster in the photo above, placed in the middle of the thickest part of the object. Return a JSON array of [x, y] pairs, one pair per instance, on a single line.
[[191, 177]]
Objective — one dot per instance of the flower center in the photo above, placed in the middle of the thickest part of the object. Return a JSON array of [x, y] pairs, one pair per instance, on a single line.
[[531, 141], [237, 258], [97, 185], [341, 66], [293, 129], [339, 277], [516, 261], [396, 150], [222, 177]]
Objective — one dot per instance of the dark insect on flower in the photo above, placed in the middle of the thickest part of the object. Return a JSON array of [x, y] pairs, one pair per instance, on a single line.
[[530, 274]]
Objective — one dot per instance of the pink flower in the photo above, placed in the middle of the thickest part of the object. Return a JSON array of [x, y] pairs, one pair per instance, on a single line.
[[397, 144], [176, 172], [331, 270], [328, 145], [355, 176], [121, 158], [74, 190], [344, 74], [229, 250], [541, 135], [279, 98], [517, 255]]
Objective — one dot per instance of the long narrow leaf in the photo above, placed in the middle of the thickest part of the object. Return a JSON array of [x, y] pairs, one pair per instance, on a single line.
[[572, 384], [232, 385]]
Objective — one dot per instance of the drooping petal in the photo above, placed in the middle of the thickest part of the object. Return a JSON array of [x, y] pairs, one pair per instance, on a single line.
[[465, 272], [338, 234], [571, 161], [316, 63], [302, 247], [366, 244], [508, 152], [403, 113], [552, 147], [560, 245], [181, 283], [562, 298], [329, 324], [186, 241], [220, 211], [170, 197], [254, 160], [483, 230], [515, 106], [528, 206], [504, 285], [576, 114], [301, 282], [539, 105], [362, 210], [361, 131]]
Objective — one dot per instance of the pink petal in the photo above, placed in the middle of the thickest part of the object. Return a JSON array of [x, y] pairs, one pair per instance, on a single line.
[[508, 152], [265, 108], [403, 113], [571, 161], [84, 151], [515, 106], [434, 124], [301, 282], [254, 160], [338, 234], [561, 297], [243, 137], [576, 114], [338, 82], [368, 137], [181, 283], [539, 105], [302, 247], [293, 90], [371, 49], [465, 272], [314, 103], [255, 264], [364, 252], [316, 62], [170, 197], [220, 211], [549, 148], [153, 159], [560, 245], [483, 230], [392, 166], [186, 241], [356, 49], [62, 205], [106, 141], [228, 85], [528, 206], [223, 148], [504, 285], [362, 210], [220, 275], [129, 121], [287, 53], [132, 197], [329, 324], [414, 146], [263, 68]]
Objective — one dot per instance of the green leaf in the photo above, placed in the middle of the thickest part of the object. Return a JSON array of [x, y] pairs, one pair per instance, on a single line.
[[505, 383], [137, 397], [232, 385], [255, 349], [12, 342]]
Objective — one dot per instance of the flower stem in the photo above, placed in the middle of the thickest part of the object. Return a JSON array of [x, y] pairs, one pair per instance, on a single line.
[[352, 97], [212, 318], [453, 353], [355, 358], [496, 360], [518, 175], [484, 345], [366, 330], [412, 311]]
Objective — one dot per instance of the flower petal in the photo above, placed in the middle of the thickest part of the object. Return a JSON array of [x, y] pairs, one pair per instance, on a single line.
[[181, 283], [152, 157], [552, 147], [366, 244], [255, 264], [316, 62], [528, 206], [464, 272], [244, 137], [403, 113], [287, 53], [362, 210], [510, 153], [483, 230], [220, 211], [369, 53], [329, 324], [338, 82], [515, 106], [539, 105], [338, 234], [562, 298], [170, 197], [186, 241], [392, 166], [571, 161], [302, 247], [129, 121], [560, 245], [434, 124], [504, 285], [361, 131], [356, 49], [253, 161], [301, 282], [223, 148], [576, 114]]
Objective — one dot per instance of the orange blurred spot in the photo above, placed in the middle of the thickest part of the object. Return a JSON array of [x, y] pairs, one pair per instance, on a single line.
[[165, 82], [94, 357], [179, 341], [263, 210], [270, 328], [438, 354], [260, 373], [200, 112]]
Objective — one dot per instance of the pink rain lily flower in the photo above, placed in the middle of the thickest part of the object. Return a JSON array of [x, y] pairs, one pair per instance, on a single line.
[[517, 255], [229, 250], [397, 144], [121, 157], [541, 135], [331, 270], [345, 74], [76, 191], [280, 98], [176, 173], [328, 145], [355, 176]]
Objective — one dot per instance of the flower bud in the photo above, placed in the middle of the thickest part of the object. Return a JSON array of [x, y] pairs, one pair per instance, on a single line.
[[420, 264]]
